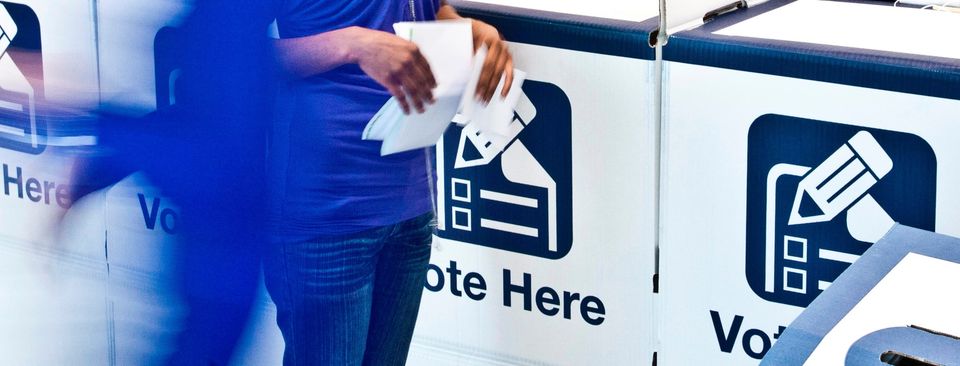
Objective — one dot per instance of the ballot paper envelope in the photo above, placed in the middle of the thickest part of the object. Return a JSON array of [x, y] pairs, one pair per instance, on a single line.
[[895, 306]]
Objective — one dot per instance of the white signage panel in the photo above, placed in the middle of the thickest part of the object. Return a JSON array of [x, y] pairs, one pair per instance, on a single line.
[[773, 186], [545, 250]]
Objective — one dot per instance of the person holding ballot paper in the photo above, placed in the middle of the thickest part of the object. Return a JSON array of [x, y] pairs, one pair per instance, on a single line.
[[351, 226]]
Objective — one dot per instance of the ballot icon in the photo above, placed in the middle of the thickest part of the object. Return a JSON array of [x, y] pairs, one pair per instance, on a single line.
[[21, 69], [511, 191], [820, 193]]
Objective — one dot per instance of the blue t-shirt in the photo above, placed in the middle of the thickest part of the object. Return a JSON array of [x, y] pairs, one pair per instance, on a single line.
[[325, 180]]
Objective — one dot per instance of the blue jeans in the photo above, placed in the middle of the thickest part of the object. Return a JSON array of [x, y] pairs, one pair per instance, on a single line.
[[350, 300]]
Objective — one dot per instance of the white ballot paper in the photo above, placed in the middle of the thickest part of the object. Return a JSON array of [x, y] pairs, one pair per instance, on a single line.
[[447, 47], [494, 117]]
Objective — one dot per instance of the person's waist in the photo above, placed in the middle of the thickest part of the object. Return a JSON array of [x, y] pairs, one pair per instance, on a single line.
[[332, 223]]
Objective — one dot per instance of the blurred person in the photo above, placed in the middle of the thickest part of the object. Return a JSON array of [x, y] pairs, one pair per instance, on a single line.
[[207, 154], [350, 229]]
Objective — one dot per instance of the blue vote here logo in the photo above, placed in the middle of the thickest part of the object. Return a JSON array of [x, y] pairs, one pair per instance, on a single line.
[[511, 192], [820, 193], [21, 128]]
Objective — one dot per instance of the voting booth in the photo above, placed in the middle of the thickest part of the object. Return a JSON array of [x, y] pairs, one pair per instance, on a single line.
[[518, 257], [796, 133], [893, 306], [138, 52], [47, 57], [678, 205], [544, 251], [140, 60], [141, 223], [89, 279]]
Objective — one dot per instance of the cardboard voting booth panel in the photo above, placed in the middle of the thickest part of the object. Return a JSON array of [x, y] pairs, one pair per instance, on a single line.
[[544, 251], [52, 46], [140, 59], [680, 15], [47, 65], [141, 226], [636, 11], [536, 211], [786, 154], [138, 50], [47, 58], [54, 294], [896, 302]]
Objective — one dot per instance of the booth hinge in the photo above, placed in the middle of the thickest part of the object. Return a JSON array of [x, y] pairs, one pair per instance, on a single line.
[[710, 15]]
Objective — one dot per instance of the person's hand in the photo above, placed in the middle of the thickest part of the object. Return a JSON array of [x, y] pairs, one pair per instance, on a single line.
[[397, 64], [498, 63]]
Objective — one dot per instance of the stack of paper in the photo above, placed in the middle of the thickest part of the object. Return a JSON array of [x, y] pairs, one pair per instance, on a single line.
[[447, 47]]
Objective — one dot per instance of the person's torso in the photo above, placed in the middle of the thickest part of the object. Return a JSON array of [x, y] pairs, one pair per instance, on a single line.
[[325, 179]]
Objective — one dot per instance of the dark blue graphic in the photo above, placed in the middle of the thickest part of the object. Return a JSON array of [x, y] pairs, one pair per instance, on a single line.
[[820, 193], [511, 192], [21, 71], [912, 336], [167, 62]]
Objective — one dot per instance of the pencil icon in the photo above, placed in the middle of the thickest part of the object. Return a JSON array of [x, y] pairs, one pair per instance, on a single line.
[[842, 179], [8, 30], [477, 148]]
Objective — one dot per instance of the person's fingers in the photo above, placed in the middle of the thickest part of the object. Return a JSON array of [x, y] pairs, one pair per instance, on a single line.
[[491, 80], [477, 34], [498, 70], [421, 83], [411, 84], [416, 90], [418, 81], [423, 68], [414, 93], [487, 74], [397, 93], [508, 79]]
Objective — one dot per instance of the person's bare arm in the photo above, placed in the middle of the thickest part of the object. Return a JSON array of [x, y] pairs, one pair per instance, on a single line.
[[498, 63], [390, 60]]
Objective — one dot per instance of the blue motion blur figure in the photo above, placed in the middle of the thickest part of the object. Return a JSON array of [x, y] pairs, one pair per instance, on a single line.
[[207, 154]]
